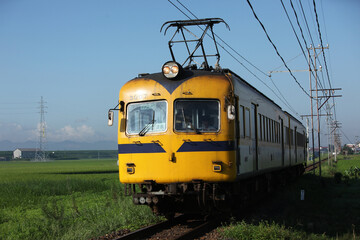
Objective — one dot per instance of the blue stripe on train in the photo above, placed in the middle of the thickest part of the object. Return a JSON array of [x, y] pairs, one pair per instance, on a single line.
[[206, 146], [188, 146], [140, 148]]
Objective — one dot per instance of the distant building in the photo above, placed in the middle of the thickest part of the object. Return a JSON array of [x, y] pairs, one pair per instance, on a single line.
[[24, 153], [354, 147]]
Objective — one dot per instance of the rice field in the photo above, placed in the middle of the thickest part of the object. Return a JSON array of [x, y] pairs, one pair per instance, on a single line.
[[79, 199]]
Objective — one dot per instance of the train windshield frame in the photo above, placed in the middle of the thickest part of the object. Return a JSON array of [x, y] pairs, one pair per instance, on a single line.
[[146, 117], [197, 115]]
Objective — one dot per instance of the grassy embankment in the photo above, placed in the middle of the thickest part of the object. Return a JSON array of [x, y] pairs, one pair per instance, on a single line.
[[331, 209], [69, 199]]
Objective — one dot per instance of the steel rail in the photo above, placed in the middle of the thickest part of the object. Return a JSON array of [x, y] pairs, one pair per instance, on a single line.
[[313, 166], [198, 230], [148, 231]]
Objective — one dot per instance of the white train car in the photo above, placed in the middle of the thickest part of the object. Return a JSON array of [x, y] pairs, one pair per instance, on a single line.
[[268, 138]]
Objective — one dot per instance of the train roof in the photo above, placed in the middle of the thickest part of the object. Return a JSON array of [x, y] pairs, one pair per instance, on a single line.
[[171, 85], [262, 94]]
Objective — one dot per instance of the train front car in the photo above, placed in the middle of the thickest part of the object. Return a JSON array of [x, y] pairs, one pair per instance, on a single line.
[[176, 139]]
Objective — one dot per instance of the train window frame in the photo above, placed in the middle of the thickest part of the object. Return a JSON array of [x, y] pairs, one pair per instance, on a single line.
[[148, 132], [197, 130]]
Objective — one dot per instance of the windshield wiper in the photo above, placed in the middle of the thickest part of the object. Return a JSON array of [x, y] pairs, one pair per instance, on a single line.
[[147, 126]]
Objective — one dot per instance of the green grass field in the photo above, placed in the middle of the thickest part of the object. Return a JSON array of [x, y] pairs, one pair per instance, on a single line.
[[83, 199], [330, 210], [78, 199]]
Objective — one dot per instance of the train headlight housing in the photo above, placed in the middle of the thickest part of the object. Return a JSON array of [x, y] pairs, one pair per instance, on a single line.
[[171, 69]]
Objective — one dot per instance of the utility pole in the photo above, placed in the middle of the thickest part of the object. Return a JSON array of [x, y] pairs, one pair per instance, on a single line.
[[327, 94], [337, 140], [40, 154]]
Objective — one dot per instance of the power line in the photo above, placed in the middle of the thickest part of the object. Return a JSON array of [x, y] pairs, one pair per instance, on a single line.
[[285, 102], [277, 52], [303, 37], [286, 62], [321, 42], [312, 41], [297, 38], [345, 135]]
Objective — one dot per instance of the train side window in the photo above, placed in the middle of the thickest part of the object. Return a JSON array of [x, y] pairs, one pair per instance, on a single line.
[[264, 128], [279, 132], [242, 121], [267, 129], [260, 127], [269, 120], [247, 122], [273, 130]]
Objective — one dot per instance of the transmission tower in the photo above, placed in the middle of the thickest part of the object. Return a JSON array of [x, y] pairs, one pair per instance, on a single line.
[[40, 155]]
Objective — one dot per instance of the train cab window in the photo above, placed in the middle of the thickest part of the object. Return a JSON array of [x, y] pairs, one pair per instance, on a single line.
[[146, 117], [197, 115]]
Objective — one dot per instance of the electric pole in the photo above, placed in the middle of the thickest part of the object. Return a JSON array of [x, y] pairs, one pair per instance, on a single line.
[[40, 155]]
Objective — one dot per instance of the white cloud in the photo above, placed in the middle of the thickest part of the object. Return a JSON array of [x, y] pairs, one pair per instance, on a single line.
[[79, 133], [16, 132]]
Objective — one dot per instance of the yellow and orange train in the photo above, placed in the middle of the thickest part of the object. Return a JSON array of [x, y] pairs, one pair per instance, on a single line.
[[200, 139]]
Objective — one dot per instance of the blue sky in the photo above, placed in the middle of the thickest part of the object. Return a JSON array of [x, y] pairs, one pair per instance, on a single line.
[[78, 54]]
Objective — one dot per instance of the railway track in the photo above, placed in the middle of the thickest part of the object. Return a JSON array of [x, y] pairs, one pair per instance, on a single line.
[[181, 227], [311, 167]]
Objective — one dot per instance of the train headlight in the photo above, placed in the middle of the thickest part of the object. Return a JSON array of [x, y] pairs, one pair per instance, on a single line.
[[171, 70], [217, 166]]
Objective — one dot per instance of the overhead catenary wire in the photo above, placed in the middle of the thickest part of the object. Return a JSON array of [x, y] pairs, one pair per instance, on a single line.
[[297, 38], [237, 53], [287, 62], [321, 42], [303, 37], [312, 41], [308, 29], [277, 52], [284, 101]]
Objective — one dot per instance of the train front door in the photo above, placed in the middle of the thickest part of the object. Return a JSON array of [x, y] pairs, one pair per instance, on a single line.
[[254, 136]]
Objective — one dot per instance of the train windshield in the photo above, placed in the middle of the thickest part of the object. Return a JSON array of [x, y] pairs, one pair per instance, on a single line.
[[146, 117], [197, 116]]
